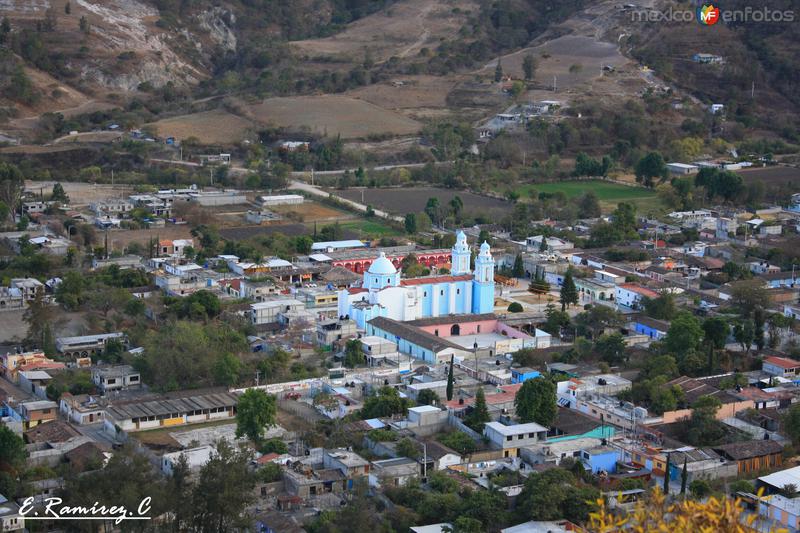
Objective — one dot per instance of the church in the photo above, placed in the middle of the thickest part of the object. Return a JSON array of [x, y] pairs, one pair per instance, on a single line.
[[384, 293]]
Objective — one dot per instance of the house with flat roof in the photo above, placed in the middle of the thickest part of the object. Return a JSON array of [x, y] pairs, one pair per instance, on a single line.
[[511, 438], [35, 412], [195, 458], [81, 409], [117, 377]]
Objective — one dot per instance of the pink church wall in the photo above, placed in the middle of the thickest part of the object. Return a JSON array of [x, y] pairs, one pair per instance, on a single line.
[[466, 328], [511, 332]]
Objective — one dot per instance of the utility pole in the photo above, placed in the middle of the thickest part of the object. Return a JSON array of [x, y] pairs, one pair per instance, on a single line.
[[258, 375], [555, 84]]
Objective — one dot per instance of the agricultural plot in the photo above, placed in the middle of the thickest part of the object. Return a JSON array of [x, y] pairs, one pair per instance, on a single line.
[[210, 127], [333, 115], [771, 175], [609, 194], [401, 201]]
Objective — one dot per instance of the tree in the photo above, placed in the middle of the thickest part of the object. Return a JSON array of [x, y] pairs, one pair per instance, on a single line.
[[703, 428], [67, 8], [589, 205], [556, 494], [538, 284], [59, 195], [611, 348], [450, 380], [536, 401], [791, 422], [226, 369], [12, 460], [84, 25], [597, 319], [385, 403], [39, 316], [747, 295], [569, 292], [457, 205], [518, 270], [12, 182], [432, 209], [255, 411], [555, 320], [649, 167], [498, 71], [465, 524], [479, 414], [406, 448], [515, 307], [684, 333], [666, 476], [661, 308], [759, 319], [744, 334], [224, 491], [699, 488], [529, 66], [427, 397], [410, 223], [684, 477], [353, 355]]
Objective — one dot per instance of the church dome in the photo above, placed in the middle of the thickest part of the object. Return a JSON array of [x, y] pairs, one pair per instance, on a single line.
[[382, 266], [485, 248]]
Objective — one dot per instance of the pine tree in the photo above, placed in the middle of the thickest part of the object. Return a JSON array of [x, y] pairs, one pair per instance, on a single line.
[[519, 267], [450, 380], [543, 244], [498, 71], [684, 477], [569, 292], [480, 412]]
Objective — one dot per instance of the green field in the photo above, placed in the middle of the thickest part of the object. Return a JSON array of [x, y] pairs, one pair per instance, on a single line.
[[369, 228], [609, 194]]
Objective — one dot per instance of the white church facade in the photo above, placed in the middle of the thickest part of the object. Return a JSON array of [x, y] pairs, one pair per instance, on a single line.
[[384, 293]]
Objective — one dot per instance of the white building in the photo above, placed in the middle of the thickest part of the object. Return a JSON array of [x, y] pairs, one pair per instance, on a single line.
[[511, 438], [196, 458], [682, 169], [267, 312], [281, 199]]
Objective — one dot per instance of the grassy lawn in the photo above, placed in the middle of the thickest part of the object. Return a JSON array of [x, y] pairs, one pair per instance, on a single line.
[[609, 194], [372, 228]]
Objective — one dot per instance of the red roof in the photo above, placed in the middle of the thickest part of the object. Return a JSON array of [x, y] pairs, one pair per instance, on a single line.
[[356, 290], [639, 290], [268, 458], [509, 392], [430, 280], [782, 362]]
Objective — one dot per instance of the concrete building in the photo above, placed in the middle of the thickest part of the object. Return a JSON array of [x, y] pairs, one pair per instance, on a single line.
[[195, 458], [393, 472], [281, 199], [86, 345], [81, 409], [511, 438], [138, 415], [10, 517], [267, 312], [114, 378]]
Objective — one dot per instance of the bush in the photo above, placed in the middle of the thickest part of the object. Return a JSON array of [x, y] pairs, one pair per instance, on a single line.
[[742, 485], [460, 442], [515, 307], [274, 446], [700, 488]]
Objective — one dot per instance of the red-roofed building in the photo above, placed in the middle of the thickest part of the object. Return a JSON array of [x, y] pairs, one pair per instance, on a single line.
[[433, 280], [504, 399], [781, 366], [631, 295]]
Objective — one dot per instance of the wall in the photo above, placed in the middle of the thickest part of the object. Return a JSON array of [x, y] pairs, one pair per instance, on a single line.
[[727, 410]]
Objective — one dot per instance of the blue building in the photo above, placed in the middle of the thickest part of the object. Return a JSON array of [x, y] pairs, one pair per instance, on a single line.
[[383, 293], [655, 329], [600, 459], [519, 375]]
